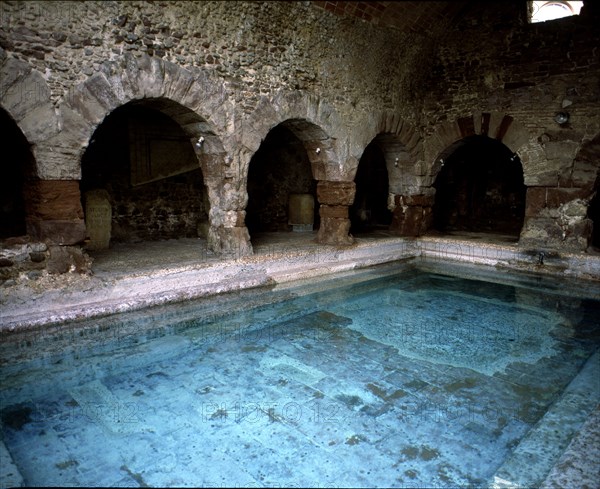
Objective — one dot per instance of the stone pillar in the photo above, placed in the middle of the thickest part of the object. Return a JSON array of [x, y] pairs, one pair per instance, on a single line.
[[53, 211], [301, 212], [228, 234], [412, 215], [98, 219], [227, 231], [335, 199]]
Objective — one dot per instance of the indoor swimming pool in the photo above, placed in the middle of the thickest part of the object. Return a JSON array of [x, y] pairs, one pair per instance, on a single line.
[[398, 375]]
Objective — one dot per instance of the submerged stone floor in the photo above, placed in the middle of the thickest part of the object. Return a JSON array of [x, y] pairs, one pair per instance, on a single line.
[[317, 395], [129, 277]]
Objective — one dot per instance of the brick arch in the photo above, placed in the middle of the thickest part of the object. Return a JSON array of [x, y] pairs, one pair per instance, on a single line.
[[25, 96], [501, 127], [137, 78]]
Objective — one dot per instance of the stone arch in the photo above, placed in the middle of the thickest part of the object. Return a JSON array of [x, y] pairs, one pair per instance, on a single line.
[[286, 164], [26, 97], [142, 151], [379, 175], [319, 127], [54, 213], [409, 197], [448, 136], [313, 121], [398, 139], [133, 78], [479, 188], [182, 94]]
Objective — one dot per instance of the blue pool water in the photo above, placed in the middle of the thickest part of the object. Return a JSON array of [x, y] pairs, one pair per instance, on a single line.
[[391, 376]]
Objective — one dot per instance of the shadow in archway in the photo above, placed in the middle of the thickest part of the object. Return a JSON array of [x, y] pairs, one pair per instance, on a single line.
[[144, 166], [369, 212], [280, 177], [480, 189], [17, 169]]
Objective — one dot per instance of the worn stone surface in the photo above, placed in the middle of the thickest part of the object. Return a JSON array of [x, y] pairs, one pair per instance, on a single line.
[[65, 259], [336, 193], [577, 466], [412, 215], [58, 231], [21, 256], [334, 231], [333, 211]]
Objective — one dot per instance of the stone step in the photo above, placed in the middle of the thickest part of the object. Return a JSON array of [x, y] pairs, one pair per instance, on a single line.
[[541, 448], [9, 473], [578, 465]]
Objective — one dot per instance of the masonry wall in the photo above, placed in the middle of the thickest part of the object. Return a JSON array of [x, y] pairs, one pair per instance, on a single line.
[[237, 68], [258, 48], [495, 62], [229, 72]]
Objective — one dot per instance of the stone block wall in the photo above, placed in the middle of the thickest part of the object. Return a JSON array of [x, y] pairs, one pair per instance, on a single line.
[[229, 72]]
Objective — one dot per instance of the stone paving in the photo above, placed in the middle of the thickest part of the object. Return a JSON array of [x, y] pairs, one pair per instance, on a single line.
[[308, 392]]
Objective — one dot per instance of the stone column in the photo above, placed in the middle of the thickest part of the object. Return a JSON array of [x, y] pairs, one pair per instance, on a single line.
[[53, 211], [412, 215], [228, 234], [334, 199]]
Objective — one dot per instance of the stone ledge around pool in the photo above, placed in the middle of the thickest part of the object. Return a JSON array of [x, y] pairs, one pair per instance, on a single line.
[[93, 296]]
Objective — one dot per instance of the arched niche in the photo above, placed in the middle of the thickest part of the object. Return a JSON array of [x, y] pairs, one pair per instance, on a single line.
[[143, 167], [370, 212], [479, 188], [18, 168], [282, 190]]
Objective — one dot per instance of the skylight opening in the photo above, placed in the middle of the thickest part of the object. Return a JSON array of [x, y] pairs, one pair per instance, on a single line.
[[544, 10]]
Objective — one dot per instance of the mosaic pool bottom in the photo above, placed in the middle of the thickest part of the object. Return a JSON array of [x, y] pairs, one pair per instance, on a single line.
[[393, 380]]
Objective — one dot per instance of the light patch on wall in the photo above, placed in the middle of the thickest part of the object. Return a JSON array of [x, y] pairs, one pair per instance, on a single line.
[[544, 10], [155, 157]]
